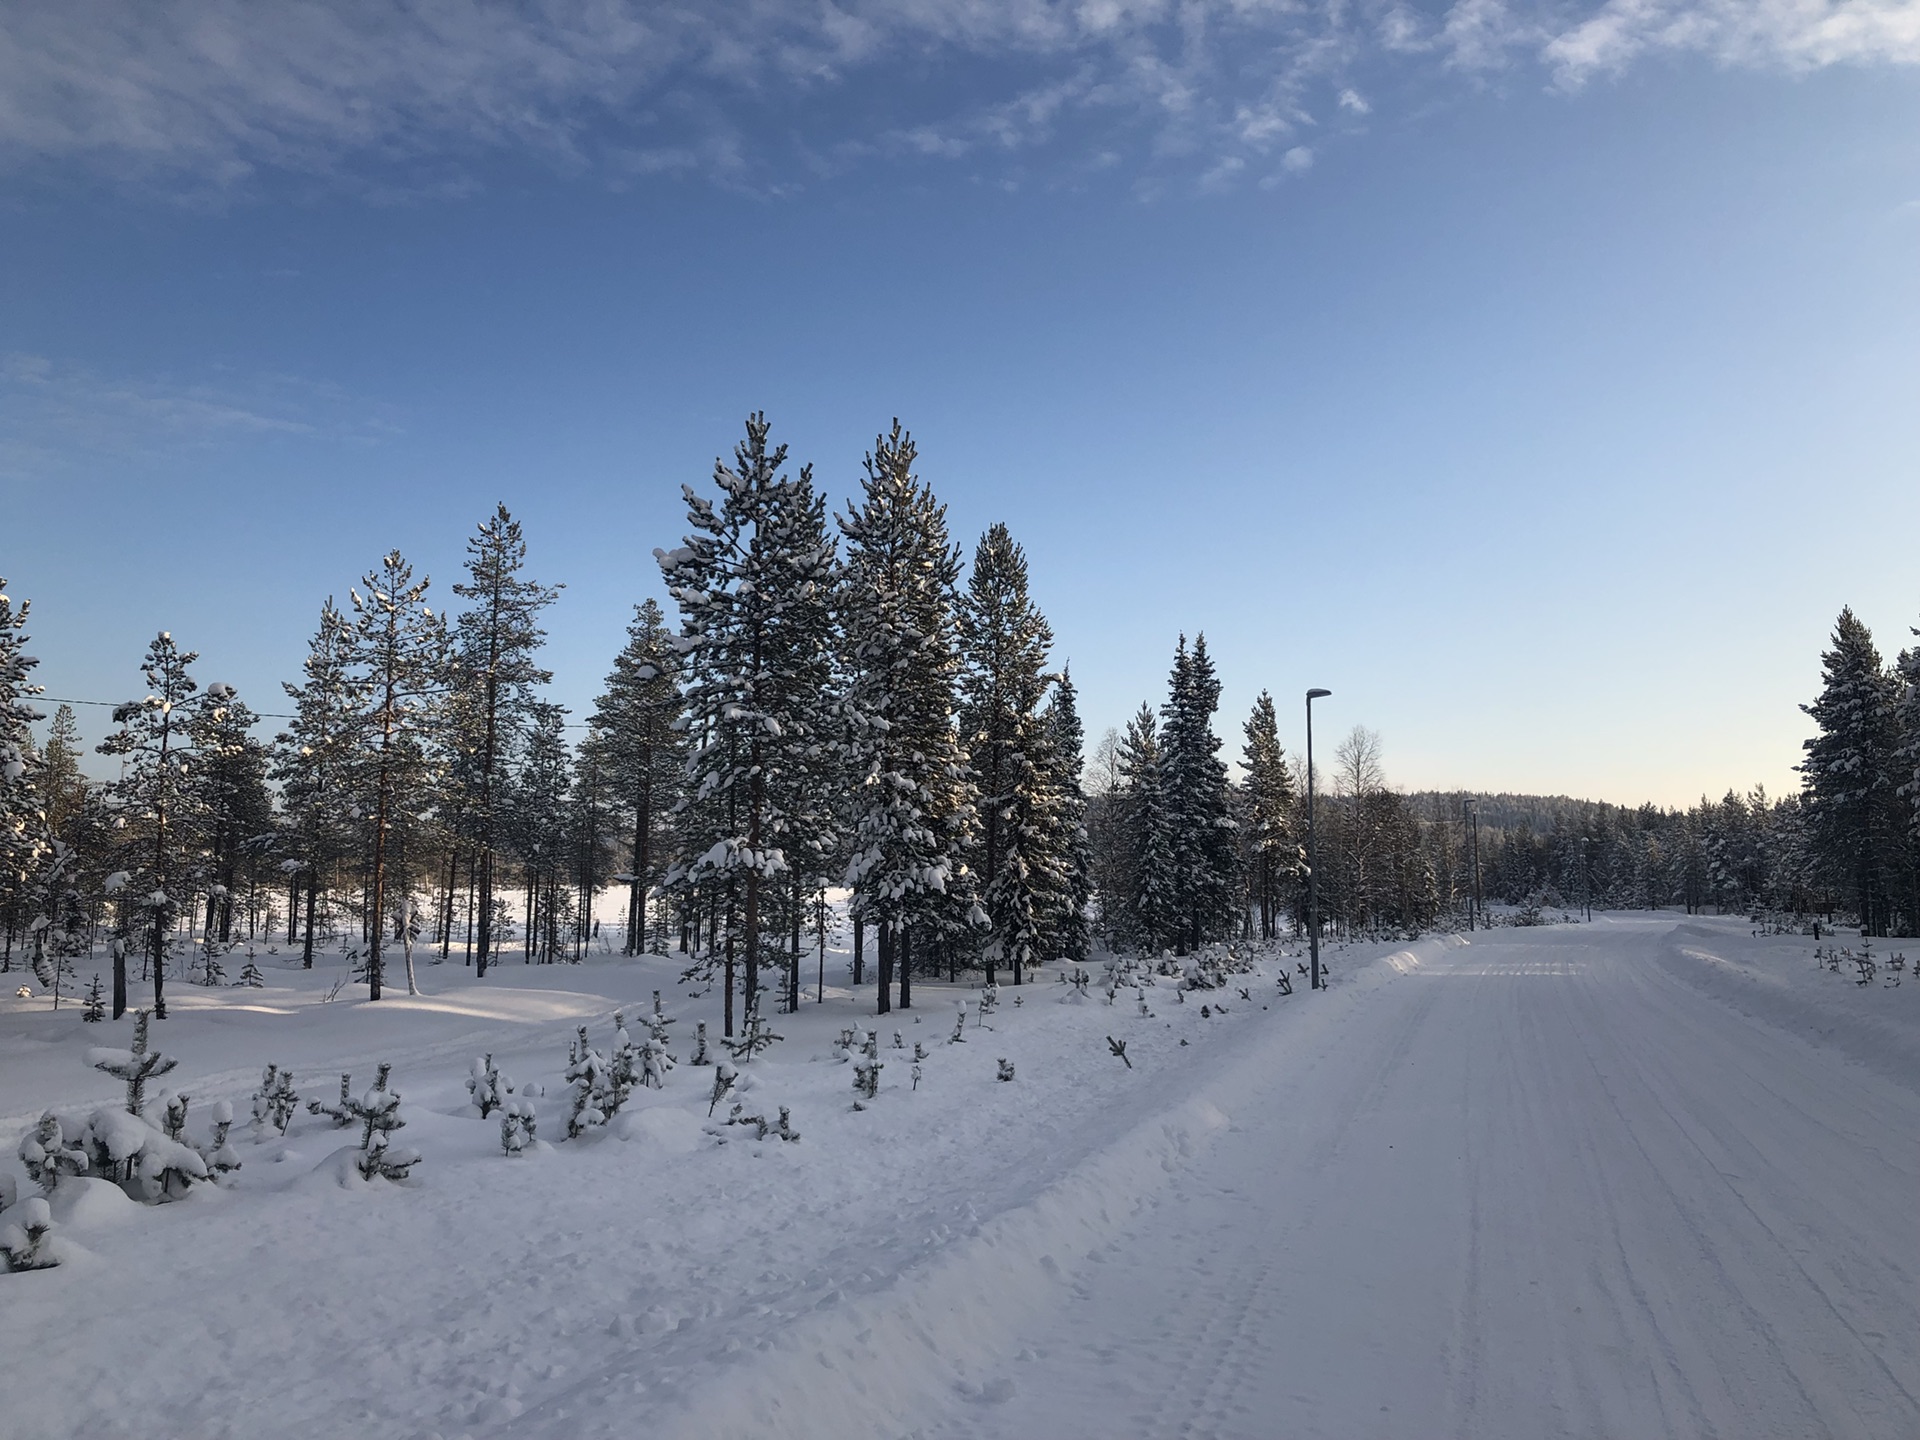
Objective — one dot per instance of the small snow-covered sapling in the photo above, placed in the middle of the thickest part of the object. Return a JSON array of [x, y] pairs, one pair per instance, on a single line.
[[250, 975], [516, 1125], [1286, 983], [700, 1056], [275, 1102], [866, 1074], [757, 1038], [488, 1086], [723, 1078], [174, 1125], [385, 1161], [23, 1239], [222, 1159], [1119, 1049], [48, 1154], [959, 1036], [341, 1114], [785, 1128], [1006, 1069], [136, 1065], [899, 1043], [96, 1005], [587, 1083]]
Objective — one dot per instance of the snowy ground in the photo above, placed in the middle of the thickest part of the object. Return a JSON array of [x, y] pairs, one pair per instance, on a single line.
[[1644, 1177]]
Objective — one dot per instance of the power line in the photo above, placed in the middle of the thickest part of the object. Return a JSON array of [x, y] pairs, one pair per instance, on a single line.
[[261, 714]]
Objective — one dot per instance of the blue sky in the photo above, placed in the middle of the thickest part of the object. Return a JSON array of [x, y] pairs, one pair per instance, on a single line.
[[1539, 378]]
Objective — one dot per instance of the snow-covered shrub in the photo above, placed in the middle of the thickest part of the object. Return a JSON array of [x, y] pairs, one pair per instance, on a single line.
[[1078, 983], [588, 1085], [723, 1077], [516, 1125], [1006, 1069], [96, 1004], [139, 1157], [757, 1038], [990, 998], [785, 1128], [135, 1065], [173, 1123], [222, 1159], [959, 1036], [378, 1112], [866, 1075], [24, 1231], [488, 1087], [1118, 1048], [274, 1103], [48, 1154], [250, 975], [341, 1114], [700, 1055]]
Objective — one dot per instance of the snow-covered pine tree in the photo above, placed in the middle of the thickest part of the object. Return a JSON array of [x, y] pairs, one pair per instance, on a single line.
[[911, 809], [1906, 763], [230, 776], [635, 731], [1853, 820], [1150, 909], [135, 1065], [1267, 829], [397, 650], [275, 1102], [531, 813], [1004, 642], [159, 798], [753, 582], [1194, 784], [1066, 929], [23, 821], [315, 764], [495, 641], [96, 1003]]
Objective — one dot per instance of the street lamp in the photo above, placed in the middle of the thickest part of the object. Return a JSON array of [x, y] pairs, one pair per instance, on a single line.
[[1474, 903], [1313, 864]]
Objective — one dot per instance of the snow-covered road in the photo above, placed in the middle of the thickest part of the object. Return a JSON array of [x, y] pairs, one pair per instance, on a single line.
[[1539, 1187]]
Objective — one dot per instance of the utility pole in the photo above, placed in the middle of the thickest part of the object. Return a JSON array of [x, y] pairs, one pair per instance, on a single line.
[[1478, 904], [1313, 861]]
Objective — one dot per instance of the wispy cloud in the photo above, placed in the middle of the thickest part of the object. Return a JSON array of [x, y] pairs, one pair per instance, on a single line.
[[209, 94], [50, 413]]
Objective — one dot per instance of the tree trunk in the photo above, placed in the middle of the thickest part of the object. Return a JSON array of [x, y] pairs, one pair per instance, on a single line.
[[884, 938], [859, 949], [306, 954], [906, 967]]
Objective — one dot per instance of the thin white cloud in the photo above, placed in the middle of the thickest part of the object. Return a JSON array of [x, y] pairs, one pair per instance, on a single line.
[[50, 409], [198, 95]]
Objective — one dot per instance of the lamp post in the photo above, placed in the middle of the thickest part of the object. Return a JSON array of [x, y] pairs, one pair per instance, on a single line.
[[1586, 875], [1313, 862]]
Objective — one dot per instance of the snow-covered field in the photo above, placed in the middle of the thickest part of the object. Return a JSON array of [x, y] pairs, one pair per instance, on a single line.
[[1645, 1177]]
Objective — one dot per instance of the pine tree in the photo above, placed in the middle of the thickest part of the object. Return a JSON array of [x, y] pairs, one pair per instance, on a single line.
[[397, 651], [533, 814], [753, 583], [23, 823], [1194, 786], [1848, 773], [910, 797], [232, 798], [315, 759], [495, 638], [1273, 852], [1004, 642], [634, 732], [62, 786], [1151, 907], [161, 802], [1068, 932]]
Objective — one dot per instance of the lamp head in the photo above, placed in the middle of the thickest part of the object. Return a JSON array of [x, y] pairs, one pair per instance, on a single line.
[[1318, 694]]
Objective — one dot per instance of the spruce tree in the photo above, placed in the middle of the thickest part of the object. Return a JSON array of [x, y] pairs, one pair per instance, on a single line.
[[236, 808], [753, 582], [494, 675], [63, 788], [911, 801], [534, 823], [160, 801], [1150, 907], [1273, 851], [1004, 644], [1848, 772], [23, 825], [1068, 931], [1194, 786], [314, 762], [635, 733], [397, 649]]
